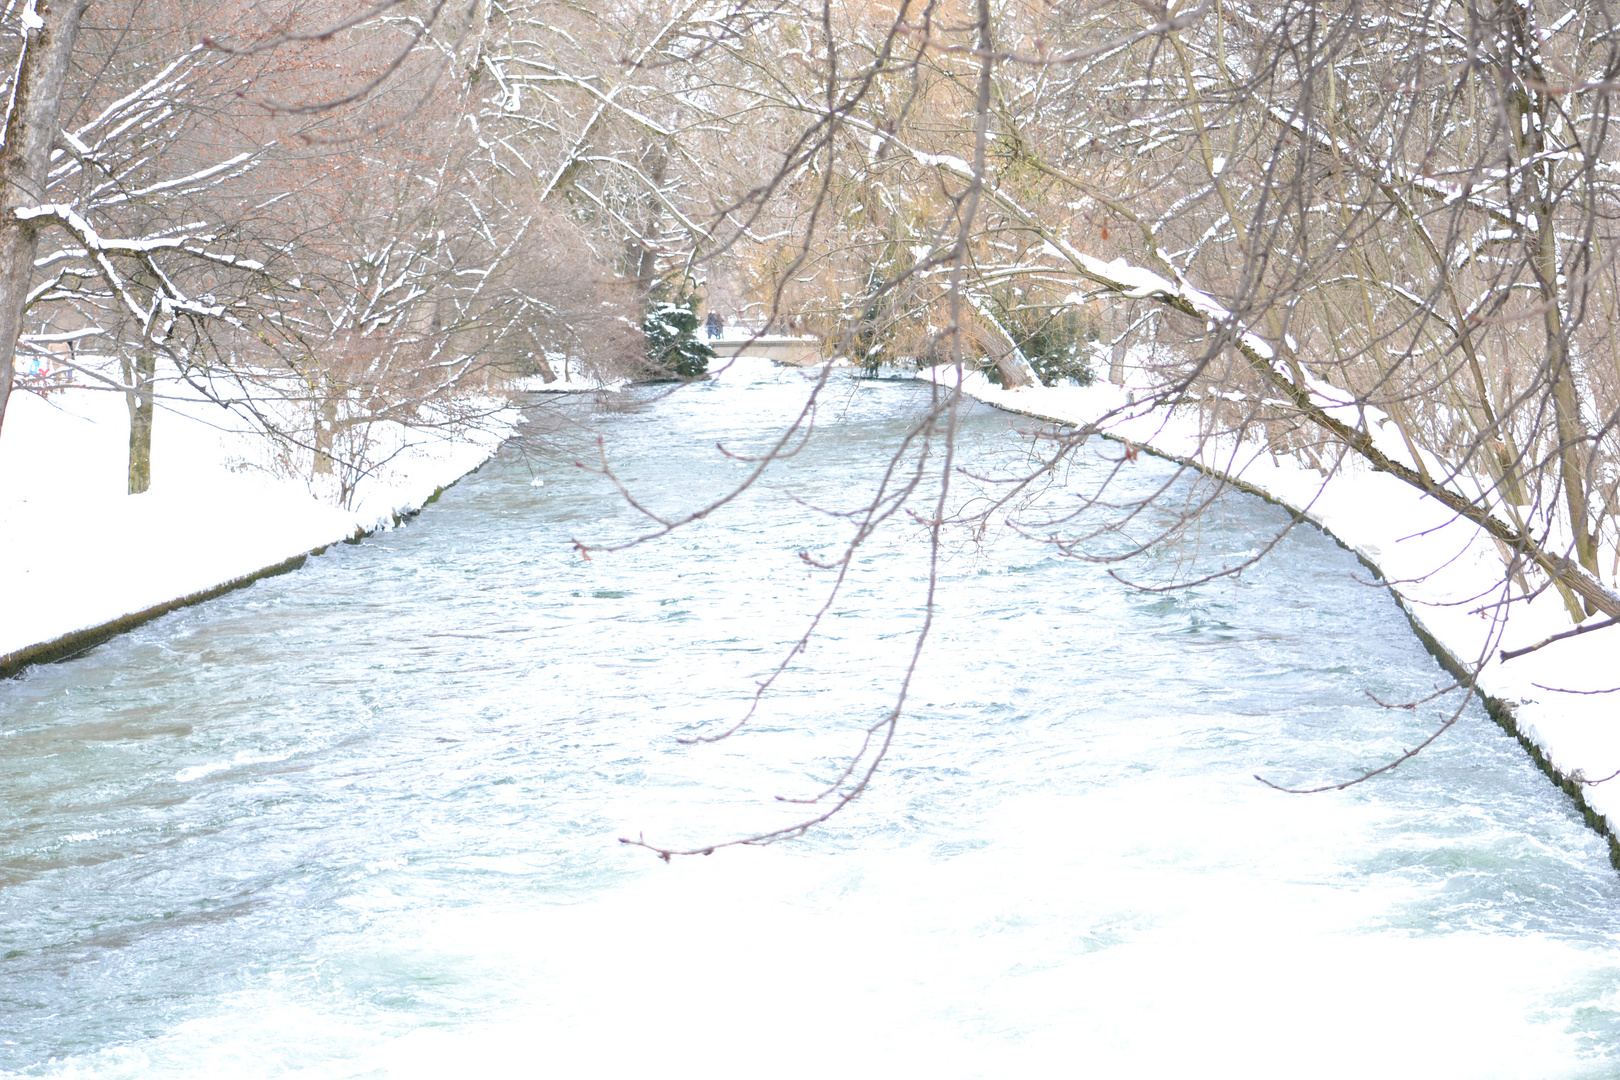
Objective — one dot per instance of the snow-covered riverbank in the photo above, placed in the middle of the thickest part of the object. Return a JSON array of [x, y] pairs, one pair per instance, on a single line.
[[1444, 570], [79, 558]]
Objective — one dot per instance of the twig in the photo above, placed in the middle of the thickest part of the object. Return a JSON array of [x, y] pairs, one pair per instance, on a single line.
[[1509, 654]]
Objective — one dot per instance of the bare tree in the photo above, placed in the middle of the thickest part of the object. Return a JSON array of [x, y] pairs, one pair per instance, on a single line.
[[1364, 239], [288, 214]]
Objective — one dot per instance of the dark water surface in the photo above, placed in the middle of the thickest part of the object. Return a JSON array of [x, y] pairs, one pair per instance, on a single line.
[[360, 820]]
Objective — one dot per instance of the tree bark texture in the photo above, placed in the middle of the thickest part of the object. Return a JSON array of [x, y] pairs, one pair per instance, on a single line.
[[140, 376], [30, 129]]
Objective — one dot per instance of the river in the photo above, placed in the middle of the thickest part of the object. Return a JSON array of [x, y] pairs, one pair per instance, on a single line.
[[360, 820]]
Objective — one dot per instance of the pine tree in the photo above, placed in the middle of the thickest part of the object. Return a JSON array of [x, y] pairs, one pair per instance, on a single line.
[[671, 329]]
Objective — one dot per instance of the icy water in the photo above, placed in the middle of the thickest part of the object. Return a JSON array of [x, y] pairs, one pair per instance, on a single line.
[[361, 820]]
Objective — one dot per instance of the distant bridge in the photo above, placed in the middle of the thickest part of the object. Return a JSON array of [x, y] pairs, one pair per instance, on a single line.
[[793, 350]]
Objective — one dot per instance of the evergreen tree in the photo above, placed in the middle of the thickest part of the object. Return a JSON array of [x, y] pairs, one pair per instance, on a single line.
[[673, 343]]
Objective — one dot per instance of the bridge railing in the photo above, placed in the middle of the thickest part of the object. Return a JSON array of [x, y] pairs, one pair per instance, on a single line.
[[743, 328]]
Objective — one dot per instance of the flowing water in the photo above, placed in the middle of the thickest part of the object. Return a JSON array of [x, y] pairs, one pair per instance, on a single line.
[[361, 820]]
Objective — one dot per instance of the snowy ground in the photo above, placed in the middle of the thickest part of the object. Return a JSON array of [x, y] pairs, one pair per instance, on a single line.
[[76, 552], [1444, 570], [574, 384]]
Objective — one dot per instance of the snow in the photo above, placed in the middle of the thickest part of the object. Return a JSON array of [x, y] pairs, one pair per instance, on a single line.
[[1140, 283], [77, 553], [945, 161], [1444, 570], [575, 383]]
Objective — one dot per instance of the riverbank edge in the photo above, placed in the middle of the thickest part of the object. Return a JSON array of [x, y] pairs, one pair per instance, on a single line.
[[1499, 710], [79, 642]]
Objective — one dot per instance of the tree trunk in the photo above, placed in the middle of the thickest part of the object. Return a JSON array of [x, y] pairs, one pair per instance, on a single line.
[[30, 128], [141, 409], [1014, 373], [1529, 113], [325, 428], [640, 253]]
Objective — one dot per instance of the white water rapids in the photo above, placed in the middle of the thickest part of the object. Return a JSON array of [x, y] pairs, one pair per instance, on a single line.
[[361, 820]]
